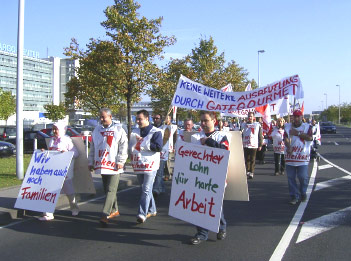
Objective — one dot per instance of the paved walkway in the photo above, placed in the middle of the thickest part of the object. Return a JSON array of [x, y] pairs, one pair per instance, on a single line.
[[9, 195]]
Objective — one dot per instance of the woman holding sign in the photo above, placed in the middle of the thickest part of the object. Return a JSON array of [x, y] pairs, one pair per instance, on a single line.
[[217, 139], [62, 142]]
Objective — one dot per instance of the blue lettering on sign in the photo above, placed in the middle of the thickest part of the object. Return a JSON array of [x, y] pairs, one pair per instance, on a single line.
[[188, 102], [40, 158]]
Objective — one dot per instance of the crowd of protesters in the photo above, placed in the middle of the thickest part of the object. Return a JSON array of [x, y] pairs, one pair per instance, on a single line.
[[151, 152]]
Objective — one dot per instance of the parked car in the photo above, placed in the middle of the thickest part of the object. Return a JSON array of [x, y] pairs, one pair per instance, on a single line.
[[28, 140], [327, 127], [70, 132], [8, 133], [7, 149]]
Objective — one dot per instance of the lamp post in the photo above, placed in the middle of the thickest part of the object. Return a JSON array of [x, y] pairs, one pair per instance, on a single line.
[[326, 101], [258, 54], [19, 93], [339, 101]]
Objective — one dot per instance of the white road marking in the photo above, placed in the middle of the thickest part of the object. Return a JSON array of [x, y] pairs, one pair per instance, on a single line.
[[332, 182], [290, 231], [324, 223], [81, 203], [336, 166], [326, 166]]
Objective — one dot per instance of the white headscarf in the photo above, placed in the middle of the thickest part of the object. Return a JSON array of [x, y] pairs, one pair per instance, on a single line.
[[62, 127]]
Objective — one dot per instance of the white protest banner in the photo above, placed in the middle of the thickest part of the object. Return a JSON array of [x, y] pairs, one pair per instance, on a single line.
[[279, 107], [193, 95], [198, 184], [43, 181]]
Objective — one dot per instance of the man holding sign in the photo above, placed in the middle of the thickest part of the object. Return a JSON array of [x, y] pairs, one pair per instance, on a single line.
[[209, 137]]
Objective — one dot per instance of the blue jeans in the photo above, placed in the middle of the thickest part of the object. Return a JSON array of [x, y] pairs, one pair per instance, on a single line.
[[159, 185], [301, 172], [202, 233], [147, 202]]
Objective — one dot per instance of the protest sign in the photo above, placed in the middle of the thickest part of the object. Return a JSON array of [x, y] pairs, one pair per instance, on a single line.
[[279, 107], [193, 95], [236, 178], [198, 184], [43, 181], [82, 178]]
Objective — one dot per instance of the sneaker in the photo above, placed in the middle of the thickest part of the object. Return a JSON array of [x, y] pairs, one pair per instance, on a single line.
[[46, 217], [141, 219], [276, 174], [114, 214], [247, 174], [151, 215], [221, 234], [303, 198], [250, 176], [196, 240], [293, 201], [282, 173], [75, 212]]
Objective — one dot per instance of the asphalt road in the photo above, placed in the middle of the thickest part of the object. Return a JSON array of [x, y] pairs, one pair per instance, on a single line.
[[265, 228]]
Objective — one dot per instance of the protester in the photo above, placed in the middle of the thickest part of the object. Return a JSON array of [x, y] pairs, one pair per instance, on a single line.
[[63, 143], [297, 139], [226, 126], [277, 136], [107, 156], [260, 155], [252, 142], [163, 172], [157, 118], [316, 135], [188, 127], [235, 125], [145, 146], [217, 139], [219, 125]]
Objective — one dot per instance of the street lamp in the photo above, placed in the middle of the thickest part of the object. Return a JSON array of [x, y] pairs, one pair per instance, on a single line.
[[339, 101], [258, 79], [326, 101]]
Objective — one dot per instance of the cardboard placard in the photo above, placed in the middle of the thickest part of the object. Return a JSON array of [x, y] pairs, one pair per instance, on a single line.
[[43, 181], [236, 178], [198, 184]]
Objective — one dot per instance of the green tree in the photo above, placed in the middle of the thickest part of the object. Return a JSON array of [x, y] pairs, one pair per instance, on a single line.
[[208, 64], [55, 112], [136, 43], [7, 105], [94, 87], [163, 90], [203, 65]]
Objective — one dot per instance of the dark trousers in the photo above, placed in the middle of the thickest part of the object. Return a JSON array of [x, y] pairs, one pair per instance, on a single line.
[[279, 162], [202, 233], [261, 154], [250, 157]]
